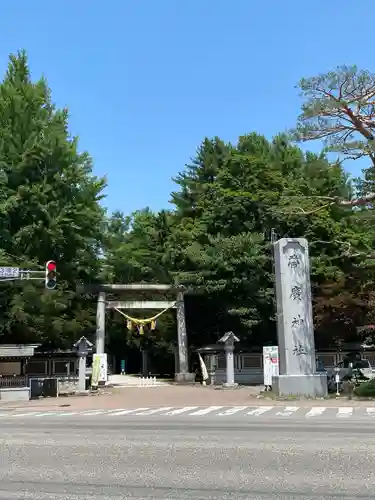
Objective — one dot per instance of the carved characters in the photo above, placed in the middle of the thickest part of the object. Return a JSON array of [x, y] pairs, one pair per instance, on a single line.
[[299, 350], [294, 261], [297, 321], [296, 293]]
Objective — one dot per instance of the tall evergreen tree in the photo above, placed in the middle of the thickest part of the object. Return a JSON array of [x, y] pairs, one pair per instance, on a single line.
[[49, 208], [225, 250]]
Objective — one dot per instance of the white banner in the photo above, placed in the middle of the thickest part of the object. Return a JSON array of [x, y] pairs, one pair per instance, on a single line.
[[203, 368], [103, 365], [270, 364]]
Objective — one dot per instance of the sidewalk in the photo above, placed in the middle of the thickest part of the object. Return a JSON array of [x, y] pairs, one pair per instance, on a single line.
[[174, 395]]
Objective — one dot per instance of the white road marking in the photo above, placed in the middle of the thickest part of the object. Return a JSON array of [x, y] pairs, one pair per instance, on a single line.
[[155, 410], [288, 411], [65, 413], [259, 411], [315, 412], [344, 412], [31, 414], [181, 410], [93, 412], [206, 410], [232, 411], [126, 412], [370, 411]]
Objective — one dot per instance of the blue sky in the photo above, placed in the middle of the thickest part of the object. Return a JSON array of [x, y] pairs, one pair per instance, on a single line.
[[146, 80]]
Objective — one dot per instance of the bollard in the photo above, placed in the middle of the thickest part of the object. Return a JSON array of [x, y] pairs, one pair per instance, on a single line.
[[147, 382]]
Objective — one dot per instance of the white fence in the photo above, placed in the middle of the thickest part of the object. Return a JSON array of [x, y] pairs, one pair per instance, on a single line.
[[147, 382]]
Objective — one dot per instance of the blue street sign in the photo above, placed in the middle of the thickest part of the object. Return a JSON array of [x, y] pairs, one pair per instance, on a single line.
[[9, 272]]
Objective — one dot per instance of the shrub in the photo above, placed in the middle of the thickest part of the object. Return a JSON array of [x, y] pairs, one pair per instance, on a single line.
[[366, 390]]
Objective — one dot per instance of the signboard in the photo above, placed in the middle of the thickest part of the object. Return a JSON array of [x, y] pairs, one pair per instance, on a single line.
[[95, 371], [9, 272], [103, 374], [99, 369], [270, 364]]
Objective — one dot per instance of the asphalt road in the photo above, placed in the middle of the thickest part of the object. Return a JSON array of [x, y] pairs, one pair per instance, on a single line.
[[98, 458]]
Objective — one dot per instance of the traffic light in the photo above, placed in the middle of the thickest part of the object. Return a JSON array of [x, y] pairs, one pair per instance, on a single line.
[[50, 275]]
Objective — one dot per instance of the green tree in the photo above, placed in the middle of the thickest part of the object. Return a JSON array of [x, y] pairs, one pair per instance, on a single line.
[[135, 247], [49, 208], [197, 177], [224, 248]]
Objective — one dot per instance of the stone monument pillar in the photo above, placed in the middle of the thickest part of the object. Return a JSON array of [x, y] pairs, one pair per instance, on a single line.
[[295, 330]]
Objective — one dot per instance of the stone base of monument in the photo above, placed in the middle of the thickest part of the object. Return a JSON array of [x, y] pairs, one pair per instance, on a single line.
[[184, 378], [314, 386]]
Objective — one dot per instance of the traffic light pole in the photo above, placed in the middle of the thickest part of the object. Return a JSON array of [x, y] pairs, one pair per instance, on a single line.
[[17, 274], [25, 274]]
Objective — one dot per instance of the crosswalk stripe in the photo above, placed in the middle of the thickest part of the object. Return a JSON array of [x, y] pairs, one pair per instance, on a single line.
[[315, 412], [287, 411], [205, 410], [126, 412], [155, 410], [181, 410], [259, 411], [344, 412], [370, 411], [232, 411]]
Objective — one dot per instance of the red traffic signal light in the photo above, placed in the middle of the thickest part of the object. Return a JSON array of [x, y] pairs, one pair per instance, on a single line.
[[50, 282], [51, 265]]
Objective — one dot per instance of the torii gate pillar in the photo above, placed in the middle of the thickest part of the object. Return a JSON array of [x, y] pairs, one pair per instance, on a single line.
[[100, 324], [183, 374]]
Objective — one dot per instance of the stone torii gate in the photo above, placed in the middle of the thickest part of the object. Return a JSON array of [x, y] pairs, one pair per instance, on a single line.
[[183, 374]]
